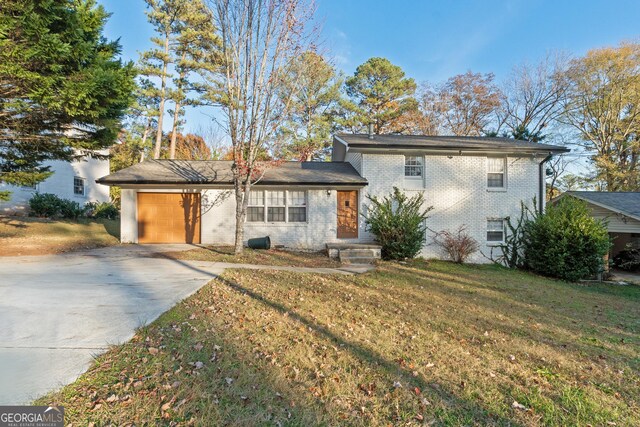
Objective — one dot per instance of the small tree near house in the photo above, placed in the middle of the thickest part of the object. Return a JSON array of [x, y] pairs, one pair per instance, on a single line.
[[398, 223], [259, 40]]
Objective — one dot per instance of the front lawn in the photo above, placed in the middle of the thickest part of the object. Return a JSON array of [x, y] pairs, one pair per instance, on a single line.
[[250, 256], [416, 344], [35, 236]]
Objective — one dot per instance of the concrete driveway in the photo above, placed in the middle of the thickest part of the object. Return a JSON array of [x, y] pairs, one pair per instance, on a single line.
[[58, 311]]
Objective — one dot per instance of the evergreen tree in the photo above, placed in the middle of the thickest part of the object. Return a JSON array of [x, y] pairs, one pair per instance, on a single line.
[[381, 95], [63, 89], [313, 89]]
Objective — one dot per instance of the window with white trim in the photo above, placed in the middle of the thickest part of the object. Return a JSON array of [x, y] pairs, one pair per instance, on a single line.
[[255, 209], [496, 167], [495, 230], [413, 167], [297, 206], [78, 186], [277, 206]]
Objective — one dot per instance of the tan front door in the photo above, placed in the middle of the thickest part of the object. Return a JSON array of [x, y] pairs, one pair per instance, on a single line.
[[348, 214], [168, 218]]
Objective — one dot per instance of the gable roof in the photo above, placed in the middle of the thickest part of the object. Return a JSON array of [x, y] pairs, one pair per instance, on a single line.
[[445, 143], [218, 172], [626, 203]]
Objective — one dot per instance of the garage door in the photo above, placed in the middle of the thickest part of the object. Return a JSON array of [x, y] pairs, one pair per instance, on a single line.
[[168, 218]]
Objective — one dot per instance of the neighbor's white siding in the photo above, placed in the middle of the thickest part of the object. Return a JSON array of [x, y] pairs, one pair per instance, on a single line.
[[457, 189], [61, 184], [616, 222]]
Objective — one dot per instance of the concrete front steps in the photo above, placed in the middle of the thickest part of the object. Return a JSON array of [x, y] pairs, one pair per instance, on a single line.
[[354, 253]]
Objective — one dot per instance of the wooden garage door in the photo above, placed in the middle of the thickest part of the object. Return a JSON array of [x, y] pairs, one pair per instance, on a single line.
[[168, 218]]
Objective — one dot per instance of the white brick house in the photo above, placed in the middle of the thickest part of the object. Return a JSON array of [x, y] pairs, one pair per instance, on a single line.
[[74, 180], [476, 182]]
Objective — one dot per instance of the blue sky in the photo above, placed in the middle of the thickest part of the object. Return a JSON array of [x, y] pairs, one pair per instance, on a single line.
[[433, 40]]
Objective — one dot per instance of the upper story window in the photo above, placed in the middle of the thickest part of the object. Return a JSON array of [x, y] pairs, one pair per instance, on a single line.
[[413, 166], [78, 186], [277, 206], [496, 168], [495, 230]]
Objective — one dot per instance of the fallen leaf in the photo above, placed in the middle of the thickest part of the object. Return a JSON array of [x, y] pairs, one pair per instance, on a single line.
[[166, 406], [198, 365], [112, 398], [229, 380], [198, 347], [153, 351], [397, 384]]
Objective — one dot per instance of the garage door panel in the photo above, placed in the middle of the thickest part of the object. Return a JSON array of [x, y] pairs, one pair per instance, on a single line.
[[168, 218]]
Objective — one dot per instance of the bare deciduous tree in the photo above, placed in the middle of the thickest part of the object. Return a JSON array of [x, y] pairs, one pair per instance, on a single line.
[[259, 40], [532, 96], [467, 103]]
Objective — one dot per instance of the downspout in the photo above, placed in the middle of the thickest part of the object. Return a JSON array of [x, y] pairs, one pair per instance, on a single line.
[[542, 177]]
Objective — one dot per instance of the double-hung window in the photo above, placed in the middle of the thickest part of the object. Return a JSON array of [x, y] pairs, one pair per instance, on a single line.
[[255, 209], [495, 230], [277, 206], [413, 167], [297, 206], [78, 186], [496, 168]]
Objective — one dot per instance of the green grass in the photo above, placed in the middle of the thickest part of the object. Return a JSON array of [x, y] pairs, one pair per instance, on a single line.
[[424, 343], [249, 256], [35, 236]]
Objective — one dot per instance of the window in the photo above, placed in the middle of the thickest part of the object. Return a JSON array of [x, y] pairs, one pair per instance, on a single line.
[[277, 206], [297, 205], [255, 209], [495, 172], [413, 166], [495, 230], [78, 186]]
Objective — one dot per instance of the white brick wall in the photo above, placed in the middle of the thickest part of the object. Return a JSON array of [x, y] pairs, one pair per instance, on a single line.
[[456, 188], [61, 184]]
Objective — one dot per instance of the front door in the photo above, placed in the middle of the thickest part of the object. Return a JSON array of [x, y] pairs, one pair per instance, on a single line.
[[348, 214]]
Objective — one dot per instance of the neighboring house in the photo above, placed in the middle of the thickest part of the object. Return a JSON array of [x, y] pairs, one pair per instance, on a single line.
[[74, 180], [471, 181], [621, 211]]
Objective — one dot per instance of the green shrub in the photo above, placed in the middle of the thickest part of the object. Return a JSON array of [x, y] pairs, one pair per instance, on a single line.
[[105, 210], [70, 209], [45, 205], [398, 222], [566, 242]]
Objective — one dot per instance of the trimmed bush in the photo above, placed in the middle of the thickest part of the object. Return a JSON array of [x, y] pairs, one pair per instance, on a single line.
[[566, 242], [398, 222], [628, 259], [70, 209], [103, 210], [45, 205]]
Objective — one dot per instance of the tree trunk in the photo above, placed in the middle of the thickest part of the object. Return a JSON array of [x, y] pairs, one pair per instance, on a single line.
[[145, 135], [174, 129], [163, 90], [239, 220]]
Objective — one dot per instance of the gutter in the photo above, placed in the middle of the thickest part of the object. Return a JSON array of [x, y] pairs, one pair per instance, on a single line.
[[542, 186]]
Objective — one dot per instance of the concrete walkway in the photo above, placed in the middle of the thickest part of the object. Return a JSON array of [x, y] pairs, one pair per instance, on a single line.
[[58, 311]]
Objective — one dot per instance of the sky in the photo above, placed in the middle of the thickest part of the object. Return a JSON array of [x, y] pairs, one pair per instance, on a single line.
[[432, 40]]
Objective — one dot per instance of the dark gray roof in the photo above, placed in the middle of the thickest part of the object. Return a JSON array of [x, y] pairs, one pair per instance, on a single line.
[[468, 143], [627, 203], [219, 172]]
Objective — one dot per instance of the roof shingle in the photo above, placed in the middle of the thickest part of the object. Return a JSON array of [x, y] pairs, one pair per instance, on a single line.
[[623, 202], [218, 172]]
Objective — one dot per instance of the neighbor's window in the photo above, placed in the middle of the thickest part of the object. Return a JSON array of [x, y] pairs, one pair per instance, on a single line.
[[297, 206], [413, 166], [276, 206], [78, 186], [495, 230], [495, 172], [255, 209]]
